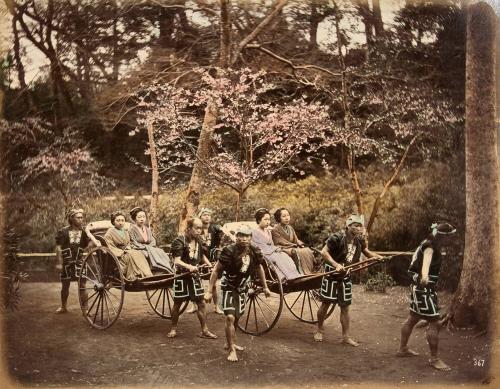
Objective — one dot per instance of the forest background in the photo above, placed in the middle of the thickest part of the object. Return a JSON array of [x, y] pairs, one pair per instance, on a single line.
[[84, 81]]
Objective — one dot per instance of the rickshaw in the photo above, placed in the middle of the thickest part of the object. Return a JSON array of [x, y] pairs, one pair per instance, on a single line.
[[102, 286], [299, 295]]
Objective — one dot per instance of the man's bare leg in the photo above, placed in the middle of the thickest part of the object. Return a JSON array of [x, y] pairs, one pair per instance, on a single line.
[[406, 330], [191, 308], [175, 319], [202, 317], [64, 297], [226, 346], [215, 299], [345, 322], [433, 341], [323, 309], [231, 338]]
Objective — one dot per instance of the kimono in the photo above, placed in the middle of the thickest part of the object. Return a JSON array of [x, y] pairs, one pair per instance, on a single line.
[[286, 238], [284, 265], [133, 264], [144, 241], [72, 243]]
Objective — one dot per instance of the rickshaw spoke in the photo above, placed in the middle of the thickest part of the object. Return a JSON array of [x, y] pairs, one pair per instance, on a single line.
[[90, 268], [264, 316], [300, 294], [97, 298], [164, 292], [266, 304], [248, 313], [157, 301], [152, 294], [112, 306], [168, 300], [89, 279], [111, 294], [302, 308], [97, 308], [98, 265], [255, 315], [310, 306], [107, 308], [88, 298], [102, 307]]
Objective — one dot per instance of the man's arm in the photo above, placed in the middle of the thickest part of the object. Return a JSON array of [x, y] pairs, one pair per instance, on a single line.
[[426, 265], [179, 262], [59, 259], [93, 239], [328, 258], [371, 254], [262, 277], [213, 280], [206, 261]]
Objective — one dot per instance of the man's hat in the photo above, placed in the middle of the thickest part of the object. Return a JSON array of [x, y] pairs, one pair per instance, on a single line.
[[72, 212], [355, 219], [244, 230], [442, 229], [205, 210]]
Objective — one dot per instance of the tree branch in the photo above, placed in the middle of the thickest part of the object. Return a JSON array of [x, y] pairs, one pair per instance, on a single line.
[[387, 185], [260, 27]]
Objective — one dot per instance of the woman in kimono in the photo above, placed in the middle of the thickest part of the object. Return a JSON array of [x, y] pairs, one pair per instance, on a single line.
[[261, 237], [284, 236], [133, 264], [142, 239]]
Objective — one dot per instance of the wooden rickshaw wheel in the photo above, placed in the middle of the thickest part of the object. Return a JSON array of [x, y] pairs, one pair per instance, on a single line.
[[162, 301], [101, 288], [261, 313], [304, 305]]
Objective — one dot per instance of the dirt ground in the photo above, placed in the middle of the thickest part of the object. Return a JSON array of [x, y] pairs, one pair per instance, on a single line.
[[44, 349]]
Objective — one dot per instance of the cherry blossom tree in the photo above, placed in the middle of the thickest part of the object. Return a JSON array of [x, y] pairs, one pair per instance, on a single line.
[[37, 152], [254, 137]]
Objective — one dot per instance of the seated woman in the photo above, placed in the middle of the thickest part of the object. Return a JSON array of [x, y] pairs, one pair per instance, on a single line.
[[284, 236], [142, 239], [261, 237], [134, 265]]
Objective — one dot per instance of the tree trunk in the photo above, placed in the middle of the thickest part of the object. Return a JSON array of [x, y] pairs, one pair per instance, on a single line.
[[313, 27], [472, 304], [365, 13], [153, 220], [193, 195], [378, 24], [355, 182], [20, 67], [166, 21], [225, 34], [238, 206]]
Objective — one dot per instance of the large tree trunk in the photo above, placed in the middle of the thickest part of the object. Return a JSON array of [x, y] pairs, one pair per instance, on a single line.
[[193, 195], [473, 300], [314, 20], [377, 19], [366, 15], [153, 219]]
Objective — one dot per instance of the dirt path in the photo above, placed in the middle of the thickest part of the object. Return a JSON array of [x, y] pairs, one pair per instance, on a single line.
[[44, 349]]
